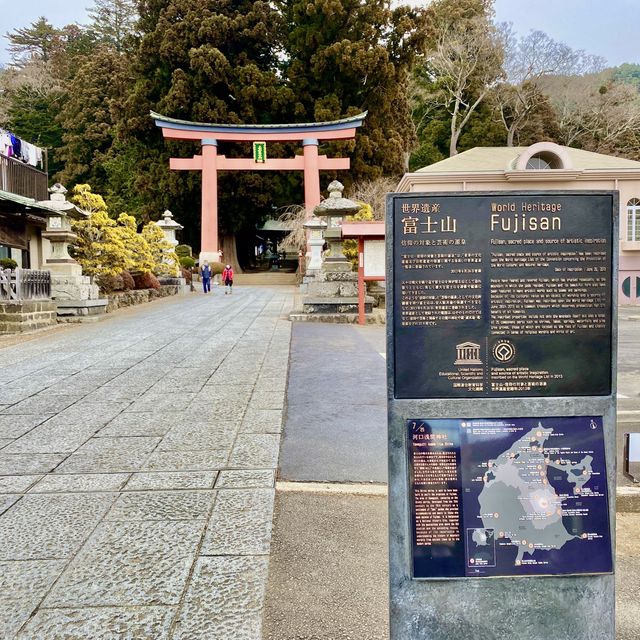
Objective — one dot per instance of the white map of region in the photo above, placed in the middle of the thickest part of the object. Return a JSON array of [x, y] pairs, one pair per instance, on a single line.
[[518, 501]]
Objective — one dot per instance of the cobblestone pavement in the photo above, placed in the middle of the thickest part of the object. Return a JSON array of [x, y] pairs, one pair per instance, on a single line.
[[137, 461]]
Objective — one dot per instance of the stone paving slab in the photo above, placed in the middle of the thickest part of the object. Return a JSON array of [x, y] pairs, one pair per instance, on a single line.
[[210, 460], [109, 455], [255, 451], [132, 461], [246, 479], [241, 523], [130, 563], [19, 463], [8, 500], [197, 437], [52, 438], [22, 587], [141, 424], [262, 421], [17, 484], [224, 600], [81, 483], [14, 426], [171, 480], [162, 505], [113, 623], [50, 526]]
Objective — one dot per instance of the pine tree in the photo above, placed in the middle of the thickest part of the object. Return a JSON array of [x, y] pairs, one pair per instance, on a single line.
[[39, 41]]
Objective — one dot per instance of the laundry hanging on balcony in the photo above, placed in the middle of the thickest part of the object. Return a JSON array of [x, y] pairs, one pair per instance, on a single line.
[[14, 147]]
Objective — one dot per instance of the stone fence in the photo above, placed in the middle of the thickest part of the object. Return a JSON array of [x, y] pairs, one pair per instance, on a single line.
[[120, 299]]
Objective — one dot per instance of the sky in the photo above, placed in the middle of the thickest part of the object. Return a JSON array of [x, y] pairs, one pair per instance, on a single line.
[[605, 28]]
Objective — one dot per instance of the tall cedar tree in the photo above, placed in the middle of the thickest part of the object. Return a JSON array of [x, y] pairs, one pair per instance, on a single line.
[[206, 61], [88, 118], [348, 56]]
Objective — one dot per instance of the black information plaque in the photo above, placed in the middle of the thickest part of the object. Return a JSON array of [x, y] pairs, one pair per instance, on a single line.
[[502, 295], [508, 497]]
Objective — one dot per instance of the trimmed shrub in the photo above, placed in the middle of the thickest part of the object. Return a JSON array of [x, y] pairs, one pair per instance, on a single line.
[[216, 267], [187, 261], [146, 281], [183, 251], [8, 263], [128, 281], [109, 283]]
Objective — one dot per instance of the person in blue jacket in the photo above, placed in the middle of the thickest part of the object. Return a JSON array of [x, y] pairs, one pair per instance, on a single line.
[[205, 274]]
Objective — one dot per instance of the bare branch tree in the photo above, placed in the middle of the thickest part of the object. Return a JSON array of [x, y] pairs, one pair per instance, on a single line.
[[461, 68], [599, 116], [528, 60]]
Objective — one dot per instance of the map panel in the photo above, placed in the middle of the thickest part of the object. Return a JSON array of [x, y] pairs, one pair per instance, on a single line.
[[530, 495]]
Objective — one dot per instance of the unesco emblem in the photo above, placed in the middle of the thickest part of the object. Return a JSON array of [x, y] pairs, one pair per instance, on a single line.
[[504, 351]]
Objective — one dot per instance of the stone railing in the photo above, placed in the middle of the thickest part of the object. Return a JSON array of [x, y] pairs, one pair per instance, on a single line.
[[24, 284]]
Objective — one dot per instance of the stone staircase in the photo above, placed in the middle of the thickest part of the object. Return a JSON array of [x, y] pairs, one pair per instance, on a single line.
[[265, 278]]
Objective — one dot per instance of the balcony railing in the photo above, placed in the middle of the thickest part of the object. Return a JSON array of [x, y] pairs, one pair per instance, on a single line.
[[24, 284], [23, 179]]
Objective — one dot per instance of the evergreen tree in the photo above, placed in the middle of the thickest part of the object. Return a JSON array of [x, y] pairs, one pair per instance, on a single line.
[[89, 115], [113, 22], [39, 41], [207, 61], [345, 57]]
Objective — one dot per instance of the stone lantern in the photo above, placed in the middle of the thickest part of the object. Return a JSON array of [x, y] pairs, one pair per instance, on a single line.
[[332, 294], [59, 232], [77, 298], [169, 227], [334, 208], [315, 226]]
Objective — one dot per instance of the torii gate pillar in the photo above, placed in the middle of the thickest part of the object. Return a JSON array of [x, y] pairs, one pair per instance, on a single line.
[[209, 247], [210, 162]]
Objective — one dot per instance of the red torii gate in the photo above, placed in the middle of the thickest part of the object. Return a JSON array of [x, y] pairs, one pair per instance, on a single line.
[[209, 162]]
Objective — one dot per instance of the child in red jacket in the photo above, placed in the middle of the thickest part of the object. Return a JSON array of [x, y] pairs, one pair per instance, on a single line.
[[227, 279]]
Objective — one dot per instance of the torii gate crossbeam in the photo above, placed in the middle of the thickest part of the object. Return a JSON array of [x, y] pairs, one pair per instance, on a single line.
[[210, 162]]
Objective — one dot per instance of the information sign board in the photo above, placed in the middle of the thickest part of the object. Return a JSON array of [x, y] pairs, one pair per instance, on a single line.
[[508, 497], [502, 295]]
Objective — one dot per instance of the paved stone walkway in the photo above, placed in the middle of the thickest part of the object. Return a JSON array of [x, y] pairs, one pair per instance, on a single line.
[[137, 461]]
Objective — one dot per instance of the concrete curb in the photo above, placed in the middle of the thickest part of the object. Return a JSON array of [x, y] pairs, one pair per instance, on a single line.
[[627, 498]]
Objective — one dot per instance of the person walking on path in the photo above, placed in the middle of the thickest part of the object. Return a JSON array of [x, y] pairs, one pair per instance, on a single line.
[[205, 273], [227, 279]]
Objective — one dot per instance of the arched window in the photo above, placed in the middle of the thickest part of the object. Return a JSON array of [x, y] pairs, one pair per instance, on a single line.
[[633, 219], [542, 161], [543, 156]]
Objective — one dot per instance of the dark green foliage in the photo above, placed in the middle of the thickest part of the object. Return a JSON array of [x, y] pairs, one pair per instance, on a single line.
[[629, 74], [187, 261], [345, 57], [183, 250], [41, 40], [32, 115], [8, 263]]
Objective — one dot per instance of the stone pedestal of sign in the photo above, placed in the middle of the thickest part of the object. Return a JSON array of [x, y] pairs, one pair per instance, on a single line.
[[76, 297], [501, 335]]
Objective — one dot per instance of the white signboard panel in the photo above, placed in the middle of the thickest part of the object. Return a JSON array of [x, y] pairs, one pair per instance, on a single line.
[[374, 264]]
